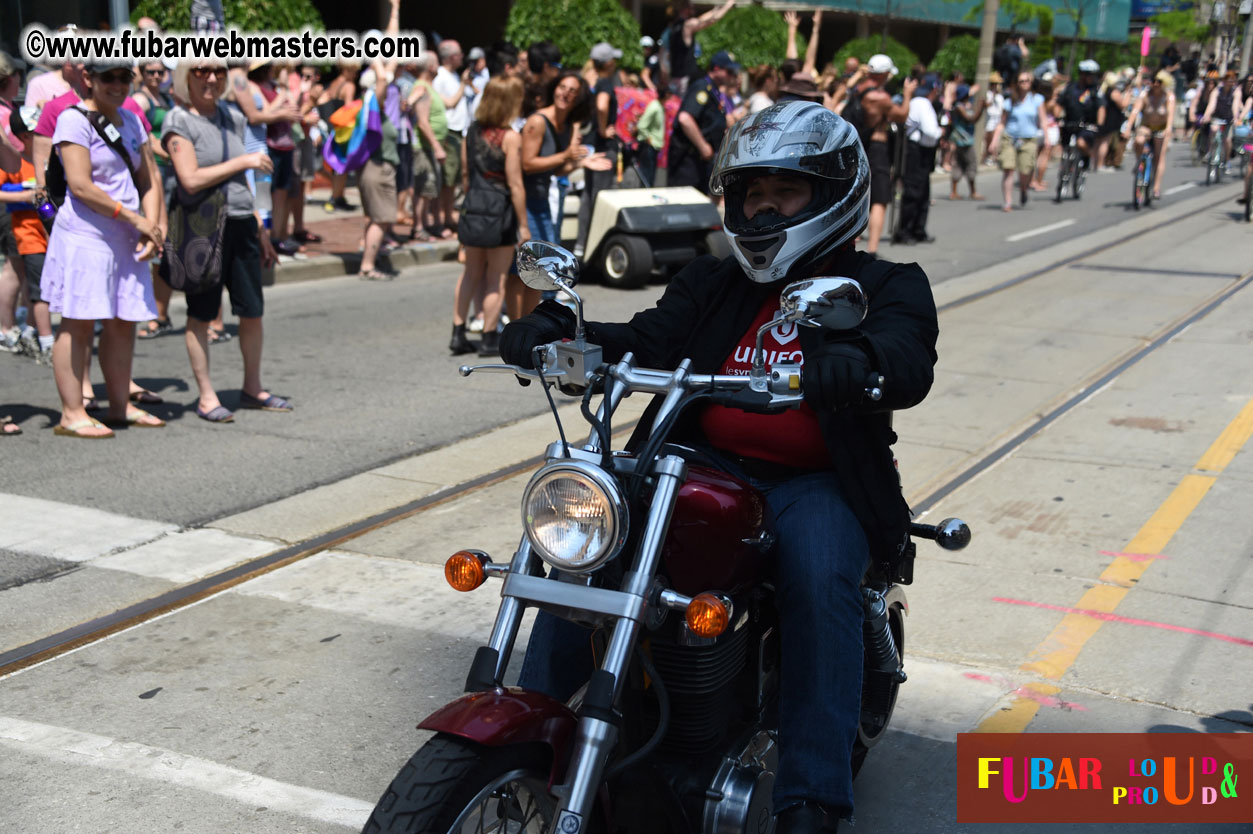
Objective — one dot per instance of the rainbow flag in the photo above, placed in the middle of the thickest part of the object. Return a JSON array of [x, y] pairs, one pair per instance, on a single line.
[[356, 132]]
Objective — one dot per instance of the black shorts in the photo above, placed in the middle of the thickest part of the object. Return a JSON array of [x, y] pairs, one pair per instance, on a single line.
[[689, 170], [8, 243], [284, 170], [880, 173], [34, 272], [1088, 137], [404, 171], [241, 274]]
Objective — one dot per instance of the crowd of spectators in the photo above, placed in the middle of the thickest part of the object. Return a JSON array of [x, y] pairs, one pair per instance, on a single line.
[[481, 147]]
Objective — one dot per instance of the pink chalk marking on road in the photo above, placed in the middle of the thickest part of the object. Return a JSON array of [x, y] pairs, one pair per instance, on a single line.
[[1023, 692], [1135, 557], [1115, 618]]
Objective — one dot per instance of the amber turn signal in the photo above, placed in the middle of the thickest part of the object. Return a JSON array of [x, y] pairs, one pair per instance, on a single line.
[[464, 571], [707, 615]]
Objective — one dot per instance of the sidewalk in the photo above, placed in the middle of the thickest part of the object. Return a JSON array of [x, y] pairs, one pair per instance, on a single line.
[[339, 251]]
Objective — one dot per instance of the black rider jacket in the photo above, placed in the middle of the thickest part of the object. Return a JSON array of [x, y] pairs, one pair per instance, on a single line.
[[710, 304]]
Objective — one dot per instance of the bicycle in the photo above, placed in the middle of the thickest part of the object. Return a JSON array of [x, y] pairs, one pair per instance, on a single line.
[[1214, 162], [1142, 183], [1071, 171]]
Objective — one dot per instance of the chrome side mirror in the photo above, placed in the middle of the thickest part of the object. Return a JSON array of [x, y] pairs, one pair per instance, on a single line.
[[832, 303], [547, 267]]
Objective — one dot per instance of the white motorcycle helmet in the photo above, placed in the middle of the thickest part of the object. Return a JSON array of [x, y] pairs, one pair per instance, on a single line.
[[796, 137]]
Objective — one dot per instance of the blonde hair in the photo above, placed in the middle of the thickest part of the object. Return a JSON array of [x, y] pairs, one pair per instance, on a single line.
[[501, 102], [183, 70]]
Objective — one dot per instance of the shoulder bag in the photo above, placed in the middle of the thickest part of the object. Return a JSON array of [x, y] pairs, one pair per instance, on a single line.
[[192, 258]]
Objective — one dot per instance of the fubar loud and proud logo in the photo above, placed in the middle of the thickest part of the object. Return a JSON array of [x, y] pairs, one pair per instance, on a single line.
[[1104, 777]]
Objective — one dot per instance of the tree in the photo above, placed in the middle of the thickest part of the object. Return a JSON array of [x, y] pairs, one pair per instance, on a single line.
[[863, 48], [272, 15], [753, 34], [575, 26], [959, 54], [1019, 12], [1075, 10], [1180, 25]]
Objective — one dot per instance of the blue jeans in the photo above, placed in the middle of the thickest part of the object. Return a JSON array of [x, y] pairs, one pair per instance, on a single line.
[[820, 558], [540, 220]]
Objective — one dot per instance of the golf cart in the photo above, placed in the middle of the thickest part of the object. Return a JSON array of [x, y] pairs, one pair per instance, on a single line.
[[637, 231]]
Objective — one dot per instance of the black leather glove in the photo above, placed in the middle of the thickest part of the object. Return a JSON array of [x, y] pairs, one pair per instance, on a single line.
[[549, 322], [835, 376]]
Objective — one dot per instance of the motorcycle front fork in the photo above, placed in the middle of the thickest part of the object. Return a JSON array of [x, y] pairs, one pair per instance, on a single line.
[[597, 731]]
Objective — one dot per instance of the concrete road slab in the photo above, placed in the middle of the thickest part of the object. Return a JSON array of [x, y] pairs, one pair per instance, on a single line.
[[489, 519], [187, 555], [38, 609], [65, 531], [83, 797], [972, 411], [1168, 649]]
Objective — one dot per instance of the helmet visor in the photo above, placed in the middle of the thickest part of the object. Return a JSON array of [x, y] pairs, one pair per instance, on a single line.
[[797, 145], [826, 193]]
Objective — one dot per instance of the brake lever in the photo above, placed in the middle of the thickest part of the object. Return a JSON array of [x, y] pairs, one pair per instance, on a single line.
[[516, 370]]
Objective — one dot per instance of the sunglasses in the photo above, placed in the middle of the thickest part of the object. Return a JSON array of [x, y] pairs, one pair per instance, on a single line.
[[154, 72], [115, 77], [205, 72]]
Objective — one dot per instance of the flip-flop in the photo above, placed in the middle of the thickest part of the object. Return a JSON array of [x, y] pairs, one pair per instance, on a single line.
[[271, 402], [90, 404], [75, 430], [306, 236], [135, 419], [376, 275], [163, 326], [145, 397], [217, 337], [217, 414], [7, 421]]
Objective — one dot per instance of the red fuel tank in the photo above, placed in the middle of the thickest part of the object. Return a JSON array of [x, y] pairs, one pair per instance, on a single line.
[[713, 541]]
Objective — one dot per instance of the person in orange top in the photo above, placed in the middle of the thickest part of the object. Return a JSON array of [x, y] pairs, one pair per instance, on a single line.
[[29, 231]]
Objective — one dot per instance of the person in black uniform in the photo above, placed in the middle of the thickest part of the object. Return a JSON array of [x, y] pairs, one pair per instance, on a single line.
[[700, 126], [1082, 111]]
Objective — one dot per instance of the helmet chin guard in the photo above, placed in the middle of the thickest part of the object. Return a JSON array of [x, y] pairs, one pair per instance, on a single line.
[[798, 139]]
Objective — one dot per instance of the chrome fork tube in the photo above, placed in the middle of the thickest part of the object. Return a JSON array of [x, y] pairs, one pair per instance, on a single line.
[[509, 617], [596, 737]]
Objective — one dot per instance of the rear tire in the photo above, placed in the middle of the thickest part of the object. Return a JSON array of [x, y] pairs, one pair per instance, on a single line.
[[873, 726], [451, 782], [1079, 176], [626, 262], [1063, 171], [1136, 186], [1248, 204]]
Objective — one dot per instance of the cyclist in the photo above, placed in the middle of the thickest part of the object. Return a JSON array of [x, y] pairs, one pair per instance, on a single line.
[[1198, 136], [1243, 119], [1155, 105], [1082, 112], [1224, 104]]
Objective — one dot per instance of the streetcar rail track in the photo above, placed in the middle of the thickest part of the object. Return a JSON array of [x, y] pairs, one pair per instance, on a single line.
[[99, 628]]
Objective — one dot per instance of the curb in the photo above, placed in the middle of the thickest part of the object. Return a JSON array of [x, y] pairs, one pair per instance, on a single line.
[[337, 266]]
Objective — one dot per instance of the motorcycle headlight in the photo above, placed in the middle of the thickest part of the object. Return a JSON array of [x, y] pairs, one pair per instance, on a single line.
[[574, 515]]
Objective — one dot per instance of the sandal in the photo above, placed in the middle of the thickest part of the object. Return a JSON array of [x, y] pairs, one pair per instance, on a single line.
[[155, 328], [145, 397], [76, 430], [217, 414], [306, 236], [136, 418], [272, 402], [8, 427], [91, 404], [376, 274], [217, 337]]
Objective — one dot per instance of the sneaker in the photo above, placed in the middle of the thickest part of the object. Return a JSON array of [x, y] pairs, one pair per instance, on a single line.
[[340, 204], [475, 325], [44, 357], [285, 247], [28, 345], [10, 339]]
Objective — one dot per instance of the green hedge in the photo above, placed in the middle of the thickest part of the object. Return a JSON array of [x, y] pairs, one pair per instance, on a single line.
[[575, 26], [271, 15], [959, 54], [752, 34], [863, 48]]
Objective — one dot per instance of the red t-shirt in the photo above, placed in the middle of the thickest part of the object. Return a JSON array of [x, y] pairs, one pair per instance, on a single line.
[[792, 438]]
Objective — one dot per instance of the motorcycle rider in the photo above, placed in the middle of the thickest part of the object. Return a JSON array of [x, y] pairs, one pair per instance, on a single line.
[[797, 190]]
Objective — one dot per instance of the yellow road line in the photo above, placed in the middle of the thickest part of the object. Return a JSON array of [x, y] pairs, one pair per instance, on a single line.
[[1228, 443], [1061, 648]]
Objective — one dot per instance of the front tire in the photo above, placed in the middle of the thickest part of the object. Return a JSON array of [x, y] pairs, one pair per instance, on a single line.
[[452, 785]]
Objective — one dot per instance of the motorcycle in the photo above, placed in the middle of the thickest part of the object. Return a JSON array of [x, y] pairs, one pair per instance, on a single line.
[[667, 559]]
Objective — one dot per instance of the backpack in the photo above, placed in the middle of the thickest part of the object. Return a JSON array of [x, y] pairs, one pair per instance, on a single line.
[[54, 175], [855, 114], [1007, 60]]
